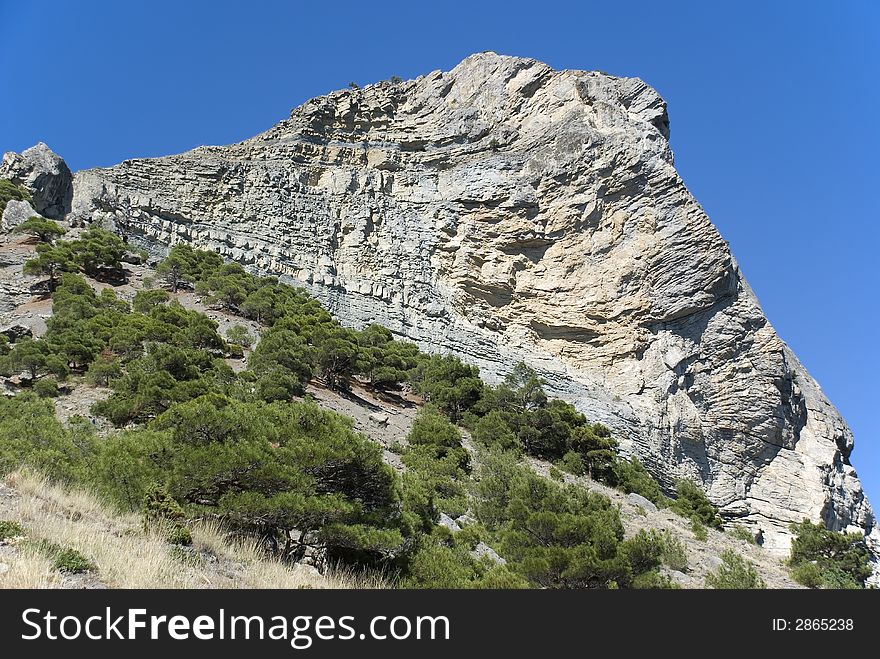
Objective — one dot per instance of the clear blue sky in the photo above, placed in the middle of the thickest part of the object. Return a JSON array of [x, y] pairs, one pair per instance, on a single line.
[[773, 105]]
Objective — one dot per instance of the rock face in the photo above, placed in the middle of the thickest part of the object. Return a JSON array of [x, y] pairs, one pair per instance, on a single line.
[[504, 211], [46, 177], [15, 213]]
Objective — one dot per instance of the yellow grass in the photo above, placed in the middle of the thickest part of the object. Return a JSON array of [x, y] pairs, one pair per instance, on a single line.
[[127, 557]]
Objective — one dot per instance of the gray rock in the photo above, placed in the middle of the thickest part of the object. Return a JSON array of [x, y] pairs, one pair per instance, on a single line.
[[682, 579], [46, 177], [17, 212], [381, 419], [132, 258], [482, 550], [16, 331], [642, 502], [449, 523], [465, 520], [713, 563], [504, 211]]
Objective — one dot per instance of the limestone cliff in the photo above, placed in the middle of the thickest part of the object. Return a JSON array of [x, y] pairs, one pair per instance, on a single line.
[[505, 211]]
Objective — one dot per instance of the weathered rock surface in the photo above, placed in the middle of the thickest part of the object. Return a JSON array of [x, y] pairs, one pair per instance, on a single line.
[[641, 502], [505, 211], [46, 177], [15, 213]]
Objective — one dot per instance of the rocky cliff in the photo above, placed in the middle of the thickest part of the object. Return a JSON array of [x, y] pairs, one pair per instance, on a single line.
[[504, 211]]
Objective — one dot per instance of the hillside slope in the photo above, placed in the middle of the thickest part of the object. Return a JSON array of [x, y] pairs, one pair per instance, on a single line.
[[504, 211]]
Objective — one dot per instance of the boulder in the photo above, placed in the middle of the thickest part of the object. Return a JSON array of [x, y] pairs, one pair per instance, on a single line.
[[642, 502], [379, 418], [482, 550], [15, 213], [449, 523]]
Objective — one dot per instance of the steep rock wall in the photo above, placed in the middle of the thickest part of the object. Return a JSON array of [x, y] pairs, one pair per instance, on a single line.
[[505, 211]]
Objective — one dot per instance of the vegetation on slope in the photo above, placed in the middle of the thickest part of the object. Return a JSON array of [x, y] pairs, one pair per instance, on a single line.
[[197, 441], [9, 192]]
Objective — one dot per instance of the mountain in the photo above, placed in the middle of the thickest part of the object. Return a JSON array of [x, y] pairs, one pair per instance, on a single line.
[[505, 211]]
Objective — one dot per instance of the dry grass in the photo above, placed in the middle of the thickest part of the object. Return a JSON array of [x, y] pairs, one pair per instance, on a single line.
[[127, 557], [30, 571]]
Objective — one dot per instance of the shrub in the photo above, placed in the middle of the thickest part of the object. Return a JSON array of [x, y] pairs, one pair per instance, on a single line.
[[597, 449], [644, 551], [147, 300], [64, 559], [161, 513], [438, 565], [573, 463], [240, 335], [103, 371], [31, 435], [492, 431], [674, 552], [9, 192], [449, 383], [692, 503], [839, 560], [734, 573], [631, 476], [556, 536], [654, 580], [385, 362], [742, 533], [699, 530], [42, 229], [10, 529], [808, 574], [46, 388]]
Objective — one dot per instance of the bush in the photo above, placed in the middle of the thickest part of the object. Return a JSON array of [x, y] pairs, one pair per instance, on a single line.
[[240, 335], [164, 515], [437, 466], [9, 192], [42, 229], [492, 431], [644, 551], [146, 301], [449, 383], [808, 574], [438, 565], [573, 463], [828, 559], [735, 573], [46, 388], [64, 559], [692, 503], [103, 371], [631, 476], [557, 536], [699, 530], [674, 552], [742, 533], [10, 529], [31, 435]]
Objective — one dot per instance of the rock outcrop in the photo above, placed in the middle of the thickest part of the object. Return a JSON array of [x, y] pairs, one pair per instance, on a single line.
[[15, 213], [45, 175], [504, 211]]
